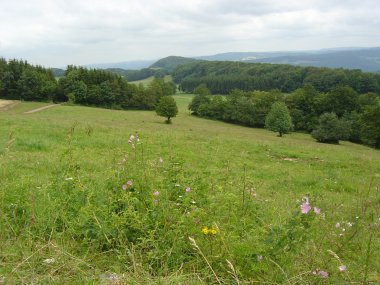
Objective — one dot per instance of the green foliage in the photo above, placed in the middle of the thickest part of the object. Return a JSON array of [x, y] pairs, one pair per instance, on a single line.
[[330, 129], [22, 81], [221, 77], [201, 89], [370, 131], [167, 107], [278, 119]]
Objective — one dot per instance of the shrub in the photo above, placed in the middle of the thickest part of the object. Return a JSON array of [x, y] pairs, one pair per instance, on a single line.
[[330, 129]]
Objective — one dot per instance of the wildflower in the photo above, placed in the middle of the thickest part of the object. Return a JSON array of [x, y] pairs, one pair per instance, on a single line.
[[343, 230], [342, 268], [213, 231], [49, 261], [337, 225], [340, 235], [156, 193], [259, 257], [323, 274], [317, 211], [305, 208], [187, 189], [129, 183], [254, 194], [350, 224], [125, 186], [205, 230]]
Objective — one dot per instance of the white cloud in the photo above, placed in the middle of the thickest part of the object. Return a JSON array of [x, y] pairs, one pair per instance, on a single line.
[[60, 32]]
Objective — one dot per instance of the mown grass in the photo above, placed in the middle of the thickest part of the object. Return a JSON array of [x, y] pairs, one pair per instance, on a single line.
[[148, 80], [61, 178]]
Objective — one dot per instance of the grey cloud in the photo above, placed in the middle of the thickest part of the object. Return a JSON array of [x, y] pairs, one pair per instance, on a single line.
[[59, 32]]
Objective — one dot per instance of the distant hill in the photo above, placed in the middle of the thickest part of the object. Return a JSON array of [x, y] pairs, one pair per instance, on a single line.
[[58, 72], [134, 64], [366, 59], [133, 75], [171, 62]]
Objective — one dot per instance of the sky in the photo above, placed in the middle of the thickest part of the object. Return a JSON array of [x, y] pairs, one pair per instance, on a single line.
[[55, 33]]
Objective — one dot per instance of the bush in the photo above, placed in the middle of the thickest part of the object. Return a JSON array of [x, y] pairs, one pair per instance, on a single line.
[[330, 129]]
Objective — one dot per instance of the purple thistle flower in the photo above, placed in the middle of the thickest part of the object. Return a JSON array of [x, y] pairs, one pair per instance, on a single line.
[[305, 208], [342, 268], [317, 211], [187, 189], [337, 225], [323, 274]]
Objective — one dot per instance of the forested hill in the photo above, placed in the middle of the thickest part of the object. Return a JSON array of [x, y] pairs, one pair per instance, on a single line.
[[170, 63], [223, 76]]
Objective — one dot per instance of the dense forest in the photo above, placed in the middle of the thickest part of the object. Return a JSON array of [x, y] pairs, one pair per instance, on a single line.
[[22, 81], [358, 115], [221, 77]]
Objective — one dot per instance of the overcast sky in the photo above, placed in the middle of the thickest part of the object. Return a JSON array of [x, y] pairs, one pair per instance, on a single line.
[[59, 32]]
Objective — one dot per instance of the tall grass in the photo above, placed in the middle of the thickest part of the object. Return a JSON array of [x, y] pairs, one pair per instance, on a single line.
[[195, 202]]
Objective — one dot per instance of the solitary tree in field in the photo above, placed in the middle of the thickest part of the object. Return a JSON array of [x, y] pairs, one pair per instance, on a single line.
[[278, 119], [167, 108]]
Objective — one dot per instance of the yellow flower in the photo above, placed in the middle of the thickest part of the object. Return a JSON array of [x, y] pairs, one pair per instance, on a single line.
[[213, 231], [205, 230]]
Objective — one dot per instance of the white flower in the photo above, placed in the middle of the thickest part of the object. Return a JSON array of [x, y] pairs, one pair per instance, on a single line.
[[49, 261]]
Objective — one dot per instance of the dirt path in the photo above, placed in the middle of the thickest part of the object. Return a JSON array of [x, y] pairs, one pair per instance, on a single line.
[[41, 108], [7, 104]]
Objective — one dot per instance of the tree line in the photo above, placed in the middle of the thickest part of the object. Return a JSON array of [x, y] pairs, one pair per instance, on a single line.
[[23, 81], [221, 77], [357, 115]]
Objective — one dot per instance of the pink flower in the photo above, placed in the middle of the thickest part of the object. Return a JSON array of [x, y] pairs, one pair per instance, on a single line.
[[323, 274], [188, 189], [342, 268], [350, 224], [125, 186], [305, 208], [317, 211], [337, 225], [129, 183], [156, 193]]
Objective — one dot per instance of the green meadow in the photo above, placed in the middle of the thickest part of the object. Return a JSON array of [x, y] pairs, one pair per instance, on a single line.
[[192, 202], [149, 80]]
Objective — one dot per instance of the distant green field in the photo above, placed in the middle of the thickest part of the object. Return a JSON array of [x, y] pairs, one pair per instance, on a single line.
[[81, 204], [148, 80]]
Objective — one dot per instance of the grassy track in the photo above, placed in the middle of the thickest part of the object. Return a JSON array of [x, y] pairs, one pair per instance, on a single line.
[[148, 80], [59, 172]]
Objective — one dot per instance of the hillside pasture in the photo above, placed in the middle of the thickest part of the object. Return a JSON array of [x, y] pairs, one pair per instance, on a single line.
[[194, 202]]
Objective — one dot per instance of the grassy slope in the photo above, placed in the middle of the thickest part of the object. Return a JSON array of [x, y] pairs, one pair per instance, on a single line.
[[148, 80], [34, 151]]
